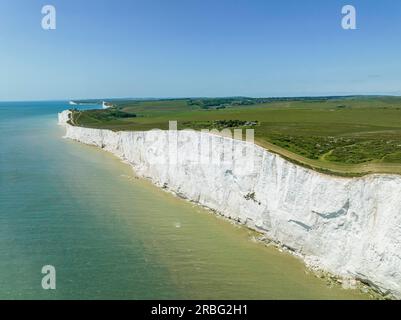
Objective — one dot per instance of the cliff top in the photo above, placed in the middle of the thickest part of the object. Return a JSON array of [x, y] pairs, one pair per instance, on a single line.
[[347, 136]]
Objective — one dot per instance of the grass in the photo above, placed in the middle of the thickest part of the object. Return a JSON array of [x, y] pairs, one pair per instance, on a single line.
[[348, 136]]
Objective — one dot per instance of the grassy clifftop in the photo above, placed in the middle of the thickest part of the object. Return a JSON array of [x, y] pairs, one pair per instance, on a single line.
[[347, 136]]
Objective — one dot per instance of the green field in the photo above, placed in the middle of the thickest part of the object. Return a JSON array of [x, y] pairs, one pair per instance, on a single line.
[[348, 136]]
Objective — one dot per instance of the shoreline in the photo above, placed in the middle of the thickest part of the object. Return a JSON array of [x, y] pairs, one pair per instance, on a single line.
[[101, 138], [346, 283]]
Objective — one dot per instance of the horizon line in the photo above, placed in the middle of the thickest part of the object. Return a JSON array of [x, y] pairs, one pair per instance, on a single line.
[[206, 97]]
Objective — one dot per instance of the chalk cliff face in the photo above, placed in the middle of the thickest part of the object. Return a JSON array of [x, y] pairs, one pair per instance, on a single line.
[[64, 116], [349, 227]]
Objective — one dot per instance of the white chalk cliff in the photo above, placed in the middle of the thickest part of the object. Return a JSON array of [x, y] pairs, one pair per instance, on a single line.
[[350, 227], [106, 105]]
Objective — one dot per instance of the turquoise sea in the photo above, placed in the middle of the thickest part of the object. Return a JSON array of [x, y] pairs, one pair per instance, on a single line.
[[112, 236]]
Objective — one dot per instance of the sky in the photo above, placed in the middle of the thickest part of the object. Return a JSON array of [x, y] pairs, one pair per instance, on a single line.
[[194, 48]]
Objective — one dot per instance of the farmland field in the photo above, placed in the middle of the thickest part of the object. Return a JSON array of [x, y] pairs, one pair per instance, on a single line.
[[348, 136]]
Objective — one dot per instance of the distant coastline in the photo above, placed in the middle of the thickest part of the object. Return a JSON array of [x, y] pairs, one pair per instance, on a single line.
[[104, 104], [83, 103]]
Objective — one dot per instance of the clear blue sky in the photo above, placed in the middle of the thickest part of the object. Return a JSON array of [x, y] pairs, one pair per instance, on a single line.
[[176, 48]]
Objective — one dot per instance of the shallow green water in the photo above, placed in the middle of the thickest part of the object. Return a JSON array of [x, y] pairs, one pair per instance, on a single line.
[[110, 235]]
